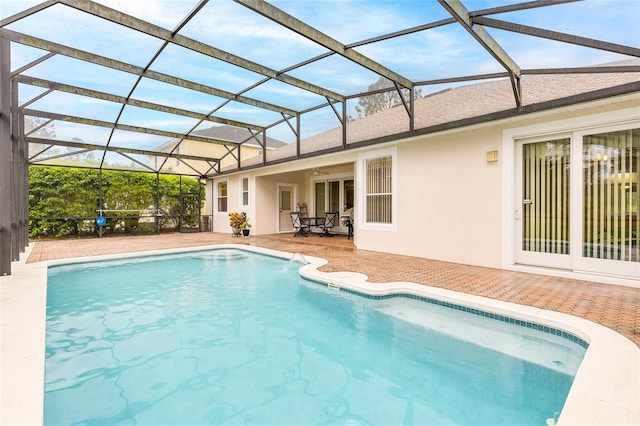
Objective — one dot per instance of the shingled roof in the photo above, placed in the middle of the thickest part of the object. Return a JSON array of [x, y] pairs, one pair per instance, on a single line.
[[457, 105], [236, 134]]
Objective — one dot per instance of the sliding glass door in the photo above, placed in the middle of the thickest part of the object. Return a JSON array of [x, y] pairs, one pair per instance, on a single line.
[[543, 213], [327, 197], [577, 202], [333, 194], [610, 202]]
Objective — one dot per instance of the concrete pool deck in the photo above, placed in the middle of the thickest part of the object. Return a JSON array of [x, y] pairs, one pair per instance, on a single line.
[[606, 389]]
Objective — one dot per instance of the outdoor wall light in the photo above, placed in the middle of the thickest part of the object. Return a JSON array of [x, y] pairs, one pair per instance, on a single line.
[[492, 156]]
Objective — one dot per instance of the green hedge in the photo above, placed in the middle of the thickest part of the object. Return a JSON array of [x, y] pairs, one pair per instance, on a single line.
[[64, 201]]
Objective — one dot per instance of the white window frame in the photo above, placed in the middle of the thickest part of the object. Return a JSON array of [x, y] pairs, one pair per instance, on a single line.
[[361, 190], [561, 261], [217, 196], [242, 191]]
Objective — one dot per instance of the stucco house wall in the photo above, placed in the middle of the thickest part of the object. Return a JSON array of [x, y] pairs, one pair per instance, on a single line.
[[267, 198], [453, 204], [448, 200]]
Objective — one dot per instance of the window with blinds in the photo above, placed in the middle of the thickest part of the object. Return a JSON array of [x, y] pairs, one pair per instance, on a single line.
[[222, 196], [546, 209], [610, 195], [245, 192], [378, 190]]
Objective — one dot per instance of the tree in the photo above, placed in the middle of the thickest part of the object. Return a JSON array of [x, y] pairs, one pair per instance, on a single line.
[[78, 156], [368, 105], [45, 131]]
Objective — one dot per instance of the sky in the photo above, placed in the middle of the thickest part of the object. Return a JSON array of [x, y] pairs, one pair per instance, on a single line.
[[223, 24]]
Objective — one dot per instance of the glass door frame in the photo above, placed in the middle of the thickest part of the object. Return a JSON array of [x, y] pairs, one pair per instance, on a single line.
[[550, 260], [294, 200], [337, 177], [595, 265]]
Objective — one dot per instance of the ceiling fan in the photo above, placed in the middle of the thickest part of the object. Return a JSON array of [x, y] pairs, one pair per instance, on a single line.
[[316, 171]]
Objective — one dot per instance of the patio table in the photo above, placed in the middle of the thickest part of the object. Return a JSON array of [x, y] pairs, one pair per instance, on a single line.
[[312, 221]]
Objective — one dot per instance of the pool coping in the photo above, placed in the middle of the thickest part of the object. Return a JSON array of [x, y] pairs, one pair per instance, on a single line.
[[605, 390]]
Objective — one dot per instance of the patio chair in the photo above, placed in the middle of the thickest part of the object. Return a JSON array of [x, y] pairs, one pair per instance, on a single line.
[[302, 208], [347, 220], [298, 225], [328, 223]]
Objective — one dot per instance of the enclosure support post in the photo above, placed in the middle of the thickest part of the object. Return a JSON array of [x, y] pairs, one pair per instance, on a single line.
[[157, 206], [412, 109], [24, 160], [299, 144], [5, 157], [101, 199], [345, 120], [214, 201], [200, 192], [17, 183], [180, 207]]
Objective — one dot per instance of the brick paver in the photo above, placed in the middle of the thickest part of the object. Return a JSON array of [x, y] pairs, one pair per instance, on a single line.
[[615, 307]]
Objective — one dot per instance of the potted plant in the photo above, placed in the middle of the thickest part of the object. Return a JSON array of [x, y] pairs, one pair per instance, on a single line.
[[236, 220], [245, 227]]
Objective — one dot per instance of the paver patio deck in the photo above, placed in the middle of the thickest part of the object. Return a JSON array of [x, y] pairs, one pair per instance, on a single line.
[[615, 307]]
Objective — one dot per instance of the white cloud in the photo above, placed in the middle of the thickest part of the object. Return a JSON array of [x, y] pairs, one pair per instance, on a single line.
[[165, 13], [89, 134]]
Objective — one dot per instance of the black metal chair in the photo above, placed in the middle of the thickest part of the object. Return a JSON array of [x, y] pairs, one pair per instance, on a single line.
[[298, 225], [328, 223]]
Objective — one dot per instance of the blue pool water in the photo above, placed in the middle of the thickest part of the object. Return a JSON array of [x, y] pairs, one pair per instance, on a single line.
[[231, 337]]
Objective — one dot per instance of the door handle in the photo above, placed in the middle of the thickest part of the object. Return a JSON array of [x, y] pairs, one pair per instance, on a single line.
[[527, 202]]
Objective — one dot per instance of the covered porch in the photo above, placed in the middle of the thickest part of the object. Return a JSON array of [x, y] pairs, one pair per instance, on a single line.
[[269, 196]]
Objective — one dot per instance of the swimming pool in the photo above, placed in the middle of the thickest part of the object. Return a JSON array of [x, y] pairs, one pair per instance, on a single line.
[[269, 347]]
